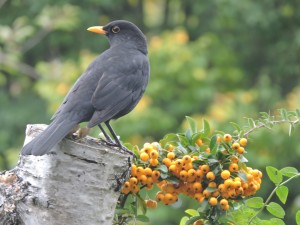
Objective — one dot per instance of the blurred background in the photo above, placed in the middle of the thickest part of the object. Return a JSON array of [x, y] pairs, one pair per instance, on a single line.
[[222, 60]]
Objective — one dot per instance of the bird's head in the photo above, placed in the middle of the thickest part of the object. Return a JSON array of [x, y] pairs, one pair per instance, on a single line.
[[122, 32]]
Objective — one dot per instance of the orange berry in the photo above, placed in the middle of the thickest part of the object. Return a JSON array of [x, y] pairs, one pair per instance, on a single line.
[[212, 184], [171, 155], [191, 173], [197, 186], [199, 142], [167, 162], [210, 176], [155, 175], [154, 154], [172, 168], [207, 150], [127, 185], [225, 174], [225, 208], [133, 181], [133, 170], [206, 193], [198, 222], [235, 146], [151, 204], [233, 167], [159, 196], [139, 171], [213, 201], [221, 187], [240, 150], [237, 184], [187, 159], [143, 179], [144, 156], [223, 202], [188, 166], [243, 142], [199, 174], [205, 168], [148, 172], [227, 137], [183, 175], [135, 188], [199, 197], [219, 139], [234, 159], [228, 183], [153, 162], [170, 148]]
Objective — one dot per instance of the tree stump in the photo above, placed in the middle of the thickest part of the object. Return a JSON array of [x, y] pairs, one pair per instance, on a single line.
[[75, 184]]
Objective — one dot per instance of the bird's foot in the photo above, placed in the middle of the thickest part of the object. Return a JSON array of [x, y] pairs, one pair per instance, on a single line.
[[127, 150], [108, 142]]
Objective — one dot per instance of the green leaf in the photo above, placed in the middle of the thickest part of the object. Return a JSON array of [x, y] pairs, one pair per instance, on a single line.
[[192, 123], [162, 168], [183, 220], [264, 115], [298, 217], [192, 212], [206, 127], [251, 123], [243, 176], [298, 113], [142, 218], [277, 221], [284, 114], [193, 219], [289, 171], [256, 202], [213, 142], [276, 210], [235, 126], [274, 174], [141, 204], [282, 193]]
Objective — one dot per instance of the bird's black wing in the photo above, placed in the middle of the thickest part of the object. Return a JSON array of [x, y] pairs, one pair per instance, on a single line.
[[119, 90]]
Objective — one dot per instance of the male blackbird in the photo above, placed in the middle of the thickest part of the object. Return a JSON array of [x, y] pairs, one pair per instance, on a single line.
[[110, 87]]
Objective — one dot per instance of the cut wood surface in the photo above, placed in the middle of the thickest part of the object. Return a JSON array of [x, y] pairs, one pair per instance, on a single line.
[[75, 184]]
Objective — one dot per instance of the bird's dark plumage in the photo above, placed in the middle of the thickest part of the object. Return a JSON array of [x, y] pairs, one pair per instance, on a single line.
[[111, 87]]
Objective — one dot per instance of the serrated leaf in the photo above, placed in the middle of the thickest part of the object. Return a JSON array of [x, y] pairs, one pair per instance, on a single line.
[[142, 218], [274, 174], [298, 218], [192, 212], [282, 193], [183, 220], [289, 171], [193, 219], [192, 123], [255, 202], [206, 127], [276, 210]]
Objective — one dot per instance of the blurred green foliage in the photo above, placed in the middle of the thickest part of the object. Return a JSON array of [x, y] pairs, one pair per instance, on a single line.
[[221, 59]]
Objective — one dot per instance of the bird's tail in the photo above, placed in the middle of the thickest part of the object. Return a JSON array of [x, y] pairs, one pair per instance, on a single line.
[[53, 134]]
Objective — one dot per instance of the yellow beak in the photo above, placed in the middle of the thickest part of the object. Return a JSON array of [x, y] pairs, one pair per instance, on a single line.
[[97, 29]]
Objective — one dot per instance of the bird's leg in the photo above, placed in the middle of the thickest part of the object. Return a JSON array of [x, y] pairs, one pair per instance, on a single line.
[[118, 143], [108, 140]]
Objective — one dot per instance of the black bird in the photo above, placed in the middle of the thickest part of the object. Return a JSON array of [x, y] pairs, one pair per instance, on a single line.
[[110, 87]]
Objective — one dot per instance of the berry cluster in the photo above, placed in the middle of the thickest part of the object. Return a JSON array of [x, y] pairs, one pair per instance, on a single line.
[[217, 175]]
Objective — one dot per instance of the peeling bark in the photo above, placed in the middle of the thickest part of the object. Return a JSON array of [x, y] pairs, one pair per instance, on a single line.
[[75, 184]]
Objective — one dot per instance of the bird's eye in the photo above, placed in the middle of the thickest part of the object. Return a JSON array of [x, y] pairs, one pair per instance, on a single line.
[[115, 29]]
